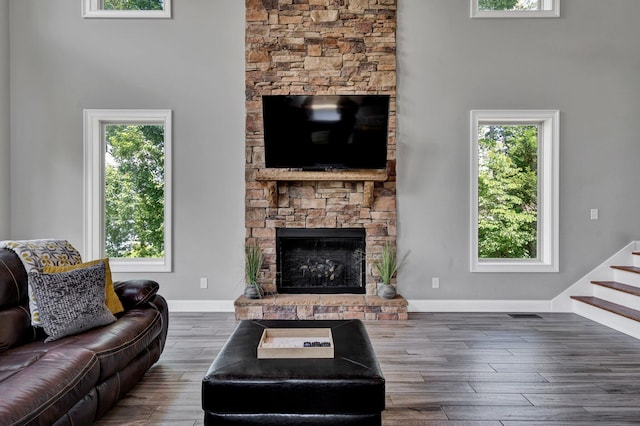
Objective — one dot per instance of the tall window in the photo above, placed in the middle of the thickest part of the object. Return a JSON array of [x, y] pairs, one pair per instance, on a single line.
[[515, 8], [126, 8], [128, 188], [515, 190]]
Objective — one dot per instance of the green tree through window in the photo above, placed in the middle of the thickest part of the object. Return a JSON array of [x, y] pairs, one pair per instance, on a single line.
[[507, 191], [508, 4], [134, 191], [133, 5]]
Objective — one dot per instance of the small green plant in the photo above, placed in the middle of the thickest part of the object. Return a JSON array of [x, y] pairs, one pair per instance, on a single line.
[[252, 264], [388, 265]]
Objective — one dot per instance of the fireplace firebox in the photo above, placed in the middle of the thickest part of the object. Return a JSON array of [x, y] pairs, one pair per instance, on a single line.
[[320, 261]]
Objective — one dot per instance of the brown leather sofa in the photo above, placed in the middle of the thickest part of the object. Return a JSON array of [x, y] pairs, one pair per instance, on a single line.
[[76, 379]]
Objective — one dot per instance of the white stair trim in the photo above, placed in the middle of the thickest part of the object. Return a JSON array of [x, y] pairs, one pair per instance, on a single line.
[[609, 319], [603, 272], [626, 277], [617, 297]]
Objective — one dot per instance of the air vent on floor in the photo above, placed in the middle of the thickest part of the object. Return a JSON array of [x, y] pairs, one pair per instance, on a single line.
[[525, 316]]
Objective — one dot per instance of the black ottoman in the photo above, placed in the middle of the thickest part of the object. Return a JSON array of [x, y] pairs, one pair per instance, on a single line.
[[240, 389]]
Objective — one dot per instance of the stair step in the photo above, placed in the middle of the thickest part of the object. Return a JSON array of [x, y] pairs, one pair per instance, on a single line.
[[632, 314], [634, 269], [625, 288]]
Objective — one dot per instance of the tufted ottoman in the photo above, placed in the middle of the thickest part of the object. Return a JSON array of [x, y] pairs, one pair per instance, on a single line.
[[240, 389]]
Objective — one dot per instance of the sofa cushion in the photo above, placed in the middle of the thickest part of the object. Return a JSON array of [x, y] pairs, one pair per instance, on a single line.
[[44, 384], [15, 323], [71, 302], [117, 344], [113, 302]]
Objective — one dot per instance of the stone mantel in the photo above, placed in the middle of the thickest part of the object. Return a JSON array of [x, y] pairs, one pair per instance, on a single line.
[[271, 177]]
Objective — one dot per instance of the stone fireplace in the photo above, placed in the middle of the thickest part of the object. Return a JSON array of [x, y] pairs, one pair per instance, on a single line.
[[319, 47]]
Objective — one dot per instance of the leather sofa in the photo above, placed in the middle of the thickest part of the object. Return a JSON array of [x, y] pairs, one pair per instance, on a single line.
[[76, 379]]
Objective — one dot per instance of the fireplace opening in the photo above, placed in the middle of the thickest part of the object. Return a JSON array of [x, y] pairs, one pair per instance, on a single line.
[[320, 260]]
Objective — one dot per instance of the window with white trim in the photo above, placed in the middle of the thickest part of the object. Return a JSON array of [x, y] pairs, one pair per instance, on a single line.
[[127, 174], [514, 187], [515, 8], [126, 8]]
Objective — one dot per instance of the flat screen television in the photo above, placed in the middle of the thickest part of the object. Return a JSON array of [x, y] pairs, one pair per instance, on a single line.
[[324, 132]]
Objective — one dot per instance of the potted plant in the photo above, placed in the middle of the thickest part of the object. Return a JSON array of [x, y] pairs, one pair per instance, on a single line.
[[252, 264], [387, 267]]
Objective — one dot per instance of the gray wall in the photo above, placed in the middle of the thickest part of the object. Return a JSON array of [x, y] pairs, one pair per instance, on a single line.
[[192, 64], [585, 64], [5, 187]]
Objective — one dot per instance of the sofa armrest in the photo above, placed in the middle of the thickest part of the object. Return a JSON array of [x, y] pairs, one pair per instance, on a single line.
[[133, 293]]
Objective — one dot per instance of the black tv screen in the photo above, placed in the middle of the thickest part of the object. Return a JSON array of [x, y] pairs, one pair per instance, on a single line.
[[324, 132]]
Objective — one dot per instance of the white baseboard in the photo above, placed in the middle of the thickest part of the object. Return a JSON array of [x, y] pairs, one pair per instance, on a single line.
[[414, 305], [200, 305], [479, 306]]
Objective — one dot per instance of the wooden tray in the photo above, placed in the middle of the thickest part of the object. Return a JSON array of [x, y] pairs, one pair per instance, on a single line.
[[289, 343]]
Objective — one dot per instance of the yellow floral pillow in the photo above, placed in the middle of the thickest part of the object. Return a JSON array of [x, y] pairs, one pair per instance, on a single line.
[[112, 300]]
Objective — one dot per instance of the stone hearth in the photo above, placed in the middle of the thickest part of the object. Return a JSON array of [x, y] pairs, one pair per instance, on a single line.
[[322, 307]]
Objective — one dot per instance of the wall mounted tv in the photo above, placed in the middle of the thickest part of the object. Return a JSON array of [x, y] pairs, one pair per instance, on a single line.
[[324, 132]]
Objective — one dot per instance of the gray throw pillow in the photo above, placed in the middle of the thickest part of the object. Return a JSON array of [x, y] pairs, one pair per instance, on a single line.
[[71, 302]]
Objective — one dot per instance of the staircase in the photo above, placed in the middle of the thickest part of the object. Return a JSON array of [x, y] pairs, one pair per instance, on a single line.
[[614, 301]]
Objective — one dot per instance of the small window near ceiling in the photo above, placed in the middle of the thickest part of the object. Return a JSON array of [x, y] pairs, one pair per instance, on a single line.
[[515, 8], [126, 8]]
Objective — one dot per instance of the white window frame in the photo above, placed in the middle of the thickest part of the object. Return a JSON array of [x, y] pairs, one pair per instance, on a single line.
[[550, 9], [94, 9], [548, 190], [94, 160]]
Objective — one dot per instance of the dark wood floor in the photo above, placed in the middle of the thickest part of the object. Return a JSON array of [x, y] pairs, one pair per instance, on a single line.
[[440, 369]]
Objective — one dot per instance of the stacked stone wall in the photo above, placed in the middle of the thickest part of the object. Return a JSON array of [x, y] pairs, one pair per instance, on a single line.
[[308, 47]]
